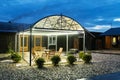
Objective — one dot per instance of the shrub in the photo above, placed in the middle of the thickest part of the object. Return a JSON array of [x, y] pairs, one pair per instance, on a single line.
[[71, 59], [40, 62], [55, 60], [81, 54], [15, 57], [87, 58], [10, 51]]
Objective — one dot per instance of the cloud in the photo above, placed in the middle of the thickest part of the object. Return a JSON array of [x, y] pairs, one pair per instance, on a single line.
[[87, 23], [99, 19], [101, 28], [116, 19]]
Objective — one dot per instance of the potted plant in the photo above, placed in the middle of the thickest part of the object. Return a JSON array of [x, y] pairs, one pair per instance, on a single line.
[[71, 59], [87, 58], [40, 62], [55, 60]]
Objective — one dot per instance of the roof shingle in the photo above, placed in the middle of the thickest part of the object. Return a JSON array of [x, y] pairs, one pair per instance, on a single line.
[[13, 27], [112, 32]]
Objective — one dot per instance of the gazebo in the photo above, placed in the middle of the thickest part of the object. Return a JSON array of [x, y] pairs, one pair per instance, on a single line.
[[51, 32]]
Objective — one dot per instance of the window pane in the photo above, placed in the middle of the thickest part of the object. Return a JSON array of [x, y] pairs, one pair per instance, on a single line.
[[25, 41], [114, 41], [37, 41], [21, 41], [50, 42], [54, 40]]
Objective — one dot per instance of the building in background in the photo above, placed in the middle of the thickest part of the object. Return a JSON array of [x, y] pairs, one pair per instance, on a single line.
[[111, 38]]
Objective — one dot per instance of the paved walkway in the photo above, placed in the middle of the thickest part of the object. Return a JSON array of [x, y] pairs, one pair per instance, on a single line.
[[117, 52]]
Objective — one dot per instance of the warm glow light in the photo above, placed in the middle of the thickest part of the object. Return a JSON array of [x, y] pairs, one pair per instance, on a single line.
[[58, 22], [114, 40], [52, 32]]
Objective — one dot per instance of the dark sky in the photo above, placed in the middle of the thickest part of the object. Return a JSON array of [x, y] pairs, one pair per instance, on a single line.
[[94, 15]]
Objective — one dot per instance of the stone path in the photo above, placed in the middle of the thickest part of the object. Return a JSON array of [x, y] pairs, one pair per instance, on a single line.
[[102, 64]]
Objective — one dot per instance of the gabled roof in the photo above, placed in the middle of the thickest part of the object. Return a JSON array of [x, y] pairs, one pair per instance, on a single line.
[[112, 32], [12, 27]]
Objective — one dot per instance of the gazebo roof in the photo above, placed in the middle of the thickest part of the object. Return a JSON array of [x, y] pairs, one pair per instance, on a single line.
[[56, 25], [58, 22]]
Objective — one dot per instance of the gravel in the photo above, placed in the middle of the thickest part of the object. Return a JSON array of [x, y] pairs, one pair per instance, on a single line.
[[101, 64]]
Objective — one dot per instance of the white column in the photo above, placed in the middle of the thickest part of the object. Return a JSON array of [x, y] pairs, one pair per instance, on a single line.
[[23, 46], [19, 42], [16, 42], [84, 41], [67, 43]]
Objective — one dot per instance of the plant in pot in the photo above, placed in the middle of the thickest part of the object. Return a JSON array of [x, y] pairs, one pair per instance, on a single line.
[[16, 57], [40, 62], [71, 59], [55, 60], [87, 58]]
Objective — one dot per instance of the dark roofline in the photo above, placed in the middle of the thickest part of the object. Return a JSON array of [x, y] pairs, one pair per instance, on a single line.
[[112, 32], [13, 27]]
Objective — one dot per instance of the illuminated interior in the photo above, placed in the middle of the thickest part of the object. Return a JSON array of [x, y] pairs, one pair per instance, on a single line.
[[114, 41]]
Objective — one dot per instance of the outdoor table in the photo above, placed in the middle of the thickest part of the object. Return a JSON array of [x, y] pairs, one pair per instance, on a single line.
[[74, 50]]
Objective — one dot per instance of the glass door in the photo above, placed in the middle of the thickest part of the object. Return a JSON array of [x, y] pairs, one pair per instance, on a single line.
[[52, 42], [24, 43], [37, 42]]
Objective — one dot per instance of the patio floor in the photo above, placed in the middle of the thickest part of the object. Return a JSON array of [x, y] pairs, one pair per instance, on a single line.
[[63, 57]]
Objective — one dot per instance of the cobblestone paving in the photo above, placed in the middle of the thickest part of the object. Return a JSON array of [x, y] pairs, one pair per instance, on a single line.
[[101, 64]]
